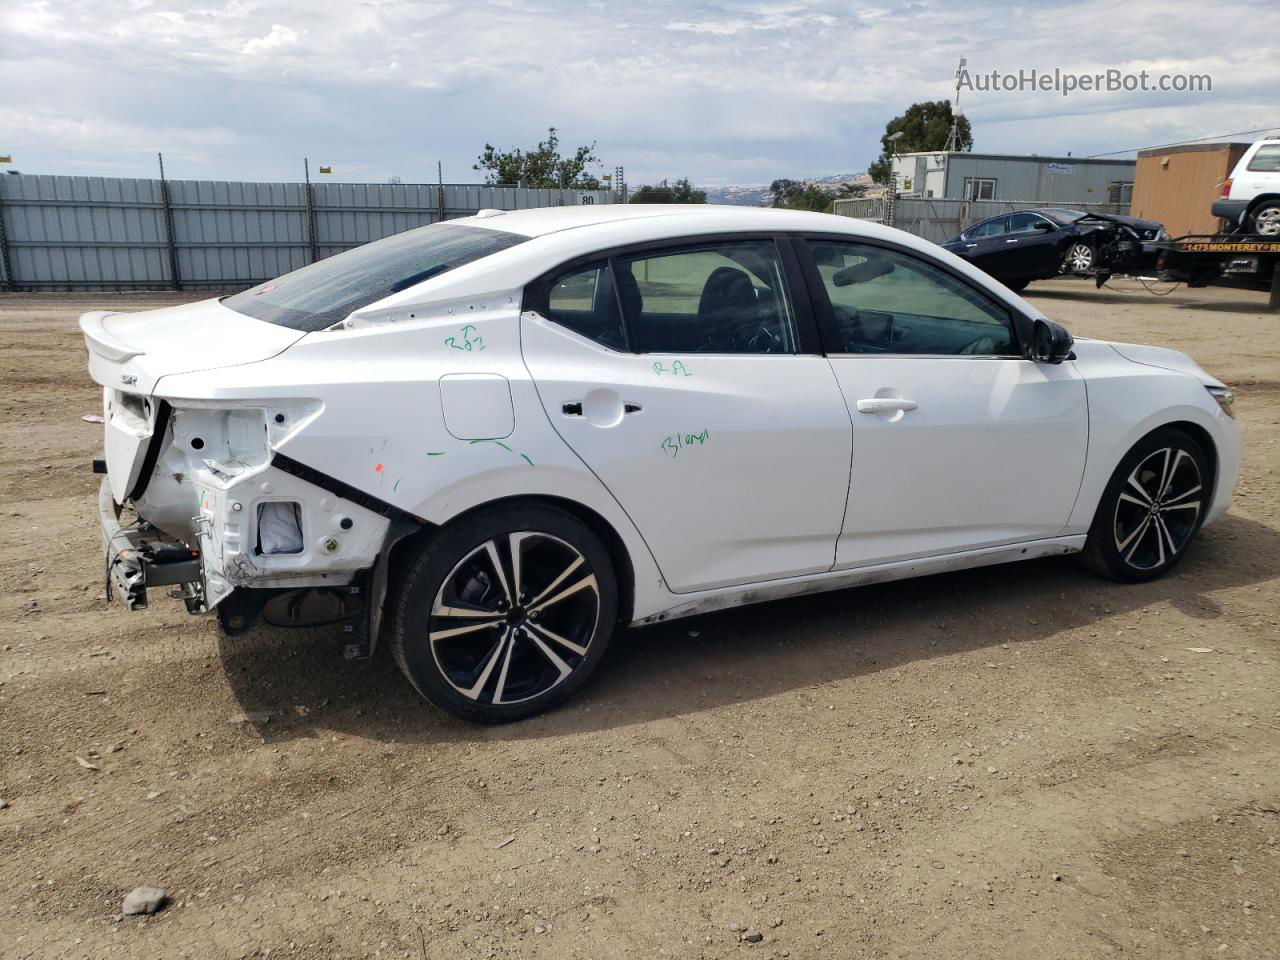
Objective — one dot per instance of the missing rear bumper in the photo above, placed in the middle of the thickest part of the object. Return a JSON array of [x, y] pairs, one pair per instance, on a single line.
[[138, 556]]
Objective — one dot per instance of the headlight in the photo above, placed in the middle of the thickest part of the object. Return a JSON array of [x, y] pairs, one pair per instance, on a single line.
[[1226, 399]]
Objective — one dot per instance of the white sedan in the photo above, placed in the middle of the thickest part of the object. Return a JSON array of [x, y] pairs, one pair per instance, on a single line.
[[495, 439]]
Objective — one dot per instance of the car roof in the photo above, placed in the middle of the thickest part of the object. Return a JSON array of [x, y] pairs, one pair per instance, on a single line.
[[540, 221], [563, 235]]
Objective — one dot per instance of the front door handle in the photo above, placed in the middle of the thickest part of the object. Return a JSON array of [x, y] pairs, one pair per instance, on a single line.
[[968, 245], [1014, 240], [885, 405], [573, 409]]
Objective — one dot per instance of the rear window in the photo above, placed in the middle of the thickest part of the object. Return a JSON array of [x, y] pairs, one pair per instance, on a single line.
[[1266, 160], [324, 293]]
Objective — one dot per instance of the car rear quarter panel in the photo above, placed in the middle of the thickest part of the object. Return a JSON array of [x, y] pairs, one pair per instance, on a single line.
[[382, 426], [1127, 401]]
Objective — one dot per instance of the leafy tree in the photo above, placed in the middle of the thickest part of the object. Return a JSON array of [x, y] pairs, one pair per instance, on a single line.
[[541, 167], [924, 127], [682, 191], [795, 195]]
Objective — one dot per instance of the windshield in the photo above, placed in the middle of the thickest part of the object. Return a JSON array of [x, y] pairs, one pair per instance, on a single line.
[[324, 293]]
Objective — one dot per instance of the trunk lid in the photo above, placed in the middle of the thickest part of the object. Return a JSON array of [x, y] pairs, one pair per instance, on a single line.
[[130, 352]]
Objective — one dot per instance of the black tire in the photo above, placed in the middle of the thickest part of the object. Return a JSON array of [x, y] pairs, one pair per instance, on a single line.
[[1151, 509], [529, 654], [1265, 218]]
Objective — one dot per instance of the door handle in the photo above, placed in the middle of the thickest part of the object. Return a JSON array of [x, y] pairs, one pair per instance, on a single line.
[[885, 405], [631, 408], [1014, 240], [970, 245], [573, 409]]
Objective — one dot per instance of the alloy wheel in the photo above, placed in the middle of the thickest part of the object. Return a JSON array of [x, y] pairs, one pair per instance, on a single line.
[[1267, 222], [1080, 258], [514, 618], [1158, 509]]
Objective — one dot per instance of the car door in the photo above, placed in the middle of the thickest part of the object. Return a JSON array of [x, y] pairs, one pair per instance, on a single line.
[[984, 246], [958, 442], [690, 380], [1031, 246]]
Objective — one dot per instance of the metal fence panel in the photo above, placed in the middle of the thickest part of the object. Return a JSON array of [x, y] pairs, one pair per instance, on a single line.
[[940, 220], [71, 233]]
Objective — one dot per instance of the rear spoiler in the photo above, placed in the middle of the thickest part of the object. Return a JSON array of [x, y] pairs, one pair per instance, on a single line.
[[99, 341]]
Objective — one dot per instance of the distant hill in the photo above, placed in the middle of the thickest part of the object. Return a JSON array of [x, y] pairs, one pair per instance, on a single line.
[[758, 195]]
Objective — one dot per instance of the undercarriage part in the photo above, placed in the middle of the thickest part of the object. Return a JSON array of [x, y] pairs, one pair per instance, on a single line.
[[303, 607], [138, 556]]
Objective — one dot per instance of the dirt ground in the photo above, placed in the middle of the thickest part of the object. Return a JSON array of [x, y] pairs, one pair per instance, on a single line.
[[1020, 761]]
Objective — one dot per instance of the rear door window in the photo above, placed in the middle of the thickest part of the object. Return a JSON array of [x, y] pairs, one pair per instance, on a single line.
[[992, 228], [584, 301], [1266, 160], [728, 297]]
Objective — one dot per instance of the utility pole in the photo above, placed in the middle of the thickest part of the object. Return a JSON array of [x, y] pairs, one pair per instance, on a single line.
[[439, 191], [954, 133], [309, 203], [175, 280]]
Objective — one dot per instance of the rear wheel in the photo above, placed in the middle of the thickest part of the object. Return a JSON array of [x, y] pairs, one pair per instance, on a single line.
[[1266, 219], [1151, 509], [506, 613]]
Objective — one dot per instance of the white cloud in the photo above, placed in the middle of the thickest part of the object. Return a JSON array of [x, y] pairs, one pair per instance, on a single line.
[[280, 36], [720, 90]]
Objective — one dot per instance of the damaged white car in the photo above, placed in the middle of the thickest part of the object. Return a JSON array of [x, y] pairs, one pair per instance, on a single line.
[[493, 440]]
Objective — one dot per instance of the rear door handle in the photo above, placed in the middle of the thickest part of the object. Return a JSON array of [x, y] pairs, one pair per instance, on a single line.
[[885, 405], [574, 408], [967, 245], [1014, 240]]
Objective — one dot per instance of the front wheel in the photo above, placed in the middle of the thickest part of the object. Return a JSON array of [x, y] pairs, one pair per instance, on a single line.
[[1151, 509], [1080, 258], [505, 613]]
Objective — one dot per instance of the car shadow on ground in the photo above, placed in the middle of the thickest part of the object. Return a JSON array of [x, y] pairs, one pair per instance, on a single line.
[[747, 653]]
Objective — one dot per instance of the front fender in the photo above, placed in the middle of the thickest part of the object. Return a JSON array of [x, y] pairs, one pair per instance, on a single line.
[[1127, 401]]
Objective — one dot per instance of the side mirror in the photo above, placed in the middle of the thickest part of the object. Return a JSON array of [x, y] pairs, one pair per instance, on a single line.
[[1050, 342], [1044, 225]]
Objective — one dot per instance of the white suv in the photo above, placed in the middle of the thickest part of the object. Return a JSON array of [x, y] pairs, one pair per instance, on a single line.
[[1250, 197]]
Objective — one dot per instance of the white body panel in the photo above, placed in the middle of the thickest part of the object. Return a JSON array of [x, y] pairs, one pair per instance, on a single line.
[[1001, 459], [734, 468], [993, 453]]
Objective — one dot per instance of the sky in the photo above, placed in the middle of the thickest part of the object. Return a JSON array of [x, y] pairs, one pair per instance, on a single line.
[[726, 93]]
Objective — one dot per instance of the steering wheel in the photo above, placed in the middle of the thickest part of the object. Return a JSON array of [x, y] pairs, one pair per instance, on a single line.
[[764, 341]]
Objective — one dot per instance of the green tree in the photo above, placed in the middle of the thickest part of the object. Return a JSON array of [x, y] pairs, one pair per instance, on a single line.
[[682, 191], [542, 167], [924, 127], [797, 195]]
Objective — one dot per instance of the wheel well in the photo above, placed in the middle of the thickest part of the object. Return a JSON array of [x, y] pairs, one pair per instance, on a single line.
[[1202, 437], [598, 525], [1262, 198]]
